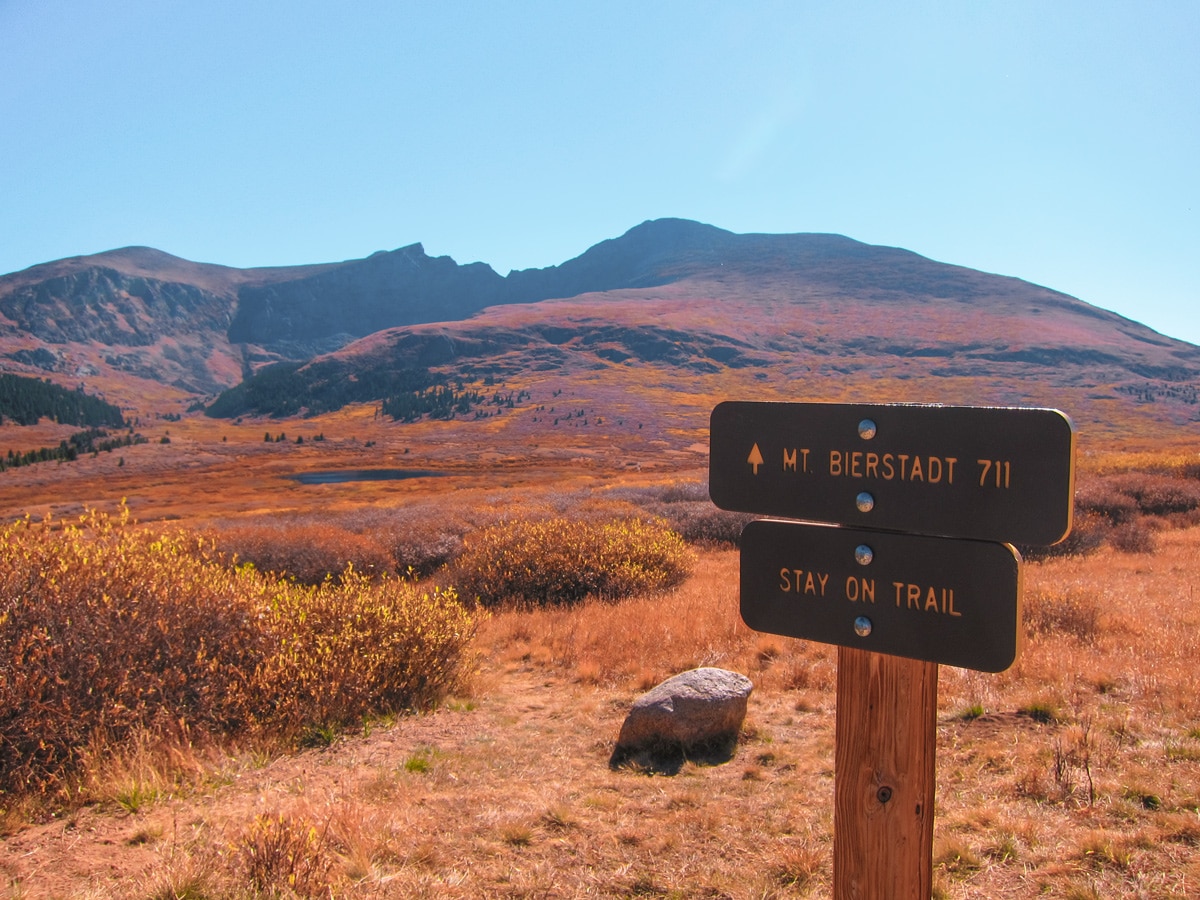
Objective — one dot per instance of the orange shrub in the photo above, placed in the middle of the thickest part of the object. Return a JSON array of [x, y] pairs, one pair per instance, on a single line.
[[552, 561], [689, 512], [310, 548], [360, 647], [306, 551], [1122, 509], [1104, 499], [108, 631], [104, 630], [1160, 495]]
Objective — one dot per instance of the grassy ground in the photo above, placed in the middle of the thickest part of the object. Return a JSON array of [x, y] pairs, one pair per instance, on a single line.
[[1075, 774]]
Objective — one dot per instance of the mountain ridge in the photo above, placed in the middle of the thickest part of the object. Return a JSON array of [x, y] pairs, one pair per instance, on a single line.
[[670, 294]]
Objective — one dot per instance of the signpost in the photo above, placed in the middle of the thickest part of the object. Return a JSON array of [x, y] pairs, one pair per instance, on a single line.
[[916, 576]]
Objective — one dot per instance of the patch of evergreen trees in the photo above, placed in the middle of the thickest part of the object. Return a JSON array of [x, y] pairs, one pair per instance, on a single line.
[[440, 402], [26, 400], [289, 389], [94, 441], [271, 391]]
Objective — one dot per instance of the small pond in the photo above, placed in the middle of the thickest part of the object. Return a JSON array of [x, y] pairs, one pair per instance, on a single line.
[[342, 476]]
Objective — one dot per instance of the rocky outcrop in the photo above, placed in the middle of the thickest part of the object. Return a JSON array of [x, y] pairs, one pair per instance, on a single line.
[[385, 290], [104, 305]]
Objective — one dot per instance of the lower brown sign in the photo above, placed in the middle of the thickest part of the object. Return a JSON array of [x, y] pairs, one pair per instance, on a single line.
[[954, 602]]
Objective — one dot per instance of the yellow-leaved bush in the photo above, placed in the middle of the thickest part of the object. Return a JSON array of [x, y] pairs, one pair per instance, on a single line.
[[558, 560], [359, 647], [108, 630]]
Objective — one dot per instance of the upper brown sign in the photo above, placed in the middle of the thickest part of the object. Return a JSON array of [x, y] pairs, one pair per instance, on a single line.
[[988, 473]]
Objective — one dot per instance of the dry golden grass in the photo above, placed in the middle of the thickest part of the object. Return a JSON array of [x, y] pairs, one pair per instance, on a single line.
[[1074, 774], [639, 642]]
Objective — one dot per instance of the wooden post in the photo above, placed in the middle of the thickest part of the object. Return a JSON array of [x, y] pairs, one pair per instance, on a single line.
[[884, 777]]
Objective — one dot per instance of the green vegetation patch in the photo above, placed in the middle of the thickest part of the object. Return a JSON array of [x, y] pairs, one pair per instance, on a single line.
[[27, 400], [291, 389], [93, 441]]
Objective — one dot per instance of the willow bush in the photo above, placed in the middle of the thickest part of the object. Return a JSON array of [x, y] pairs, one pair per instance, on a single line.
[[108, 631], [302, 550], [560, 561], [359, 647], [310, 547]]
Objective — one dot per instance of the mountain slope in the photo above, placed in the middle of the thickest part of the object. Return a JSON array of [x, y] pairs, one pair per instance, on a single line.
[[670, 300], [135, 312], [654, 352], [399, 288]]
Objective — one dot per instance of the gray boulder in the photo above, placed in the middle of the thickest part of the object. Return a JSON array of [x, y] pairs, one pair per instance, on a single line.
[[694, 715]]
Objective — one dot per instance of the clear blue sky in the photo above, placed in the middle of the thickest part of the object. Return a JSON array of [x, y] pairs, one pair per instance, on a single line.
[[1055, 141]]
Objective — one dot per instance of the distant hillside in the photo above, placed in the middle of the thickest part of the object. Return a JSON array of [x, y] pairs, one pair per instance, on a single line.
[[678, 299], [671, 353], [403, 287]]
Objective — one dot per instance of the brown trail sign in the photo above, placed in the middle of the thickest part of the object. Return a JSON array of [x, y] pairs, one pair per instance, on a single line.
[[951, 602], [986, 473], [896, 604]]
